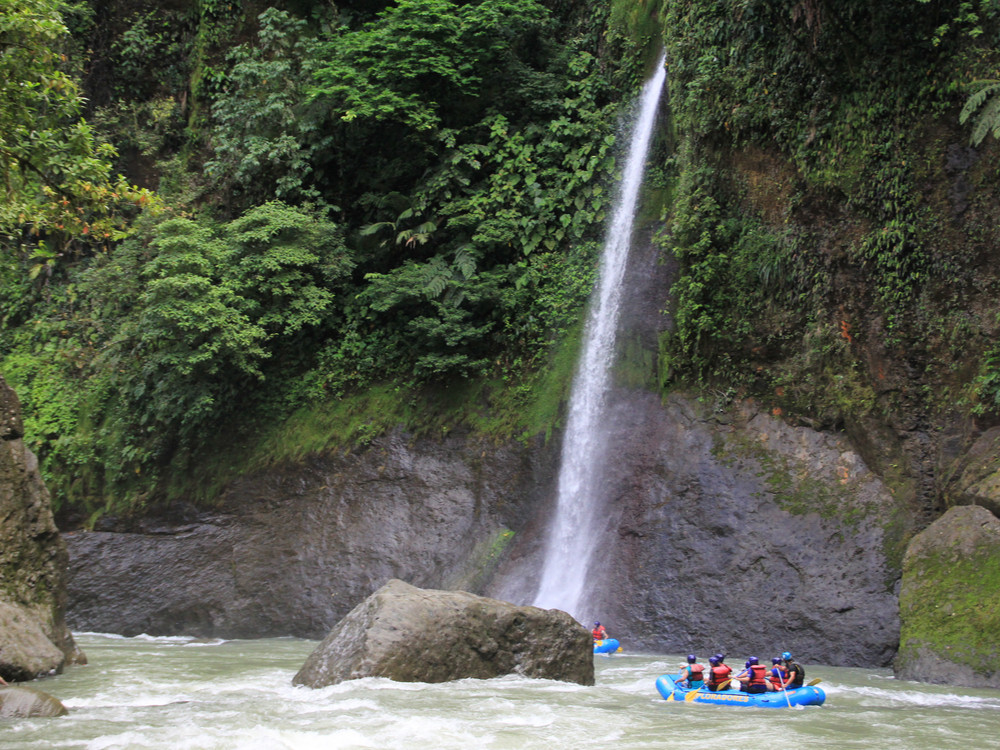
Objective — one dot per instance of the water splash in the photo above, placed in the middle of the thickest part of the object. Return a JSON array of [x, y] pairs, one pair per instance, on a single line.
[[574, 534]]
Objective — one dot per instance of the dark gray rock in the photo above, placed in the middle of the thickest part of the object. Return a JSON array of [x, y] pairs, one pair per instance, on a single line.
[[418, 635], [291, 550], [722, 530], [21, 702], [977, 480], [34, 639], [735, 531]]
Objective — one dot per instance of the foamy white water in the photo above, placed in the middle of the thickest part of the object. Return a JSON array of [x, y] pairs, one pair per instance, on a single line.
[[176, 694], [573, 536]]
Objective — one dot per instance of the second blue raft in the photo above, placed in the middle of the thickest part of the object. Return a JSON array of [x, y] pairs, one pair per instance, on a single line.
[[606, 646]]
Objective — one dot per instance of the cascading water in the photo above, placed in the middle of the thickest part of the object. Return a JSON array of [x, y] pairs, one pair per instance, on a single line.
[[573, 536]]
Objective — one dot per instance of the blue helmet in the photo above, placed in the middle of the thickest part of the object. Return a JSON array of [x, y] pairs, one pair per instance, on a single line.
[[597, 624], [776, 660], [786, 655], [713, 660], [692, 658], [752, 660], [720, 656]]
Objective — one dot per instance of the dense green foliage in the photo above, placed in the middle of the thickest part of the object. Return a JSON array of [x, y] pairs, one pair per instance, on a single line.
[[368, 208], [814, 237], [400, 196]]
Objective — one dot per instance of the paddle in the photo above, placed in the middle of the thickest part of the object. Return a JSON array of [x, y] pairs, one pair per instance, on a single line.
[[817, 681], [784, 692]]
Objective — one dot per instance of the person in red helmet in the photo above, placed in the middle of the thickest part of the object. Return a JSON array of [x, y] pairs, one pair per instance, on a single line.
[[599, 632]]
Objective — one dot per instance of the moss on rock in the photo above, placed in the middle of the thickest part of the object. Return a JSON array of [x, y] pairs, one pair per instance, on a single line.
[[950, 601]]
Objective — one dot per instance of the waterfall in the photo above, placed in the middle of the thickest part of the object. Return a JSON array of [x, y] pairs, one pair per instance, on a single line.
[[573, 536]]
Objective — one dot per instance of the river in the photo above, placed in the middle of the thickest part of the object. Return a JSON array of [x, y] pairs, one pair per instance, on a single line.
[[186, 694]]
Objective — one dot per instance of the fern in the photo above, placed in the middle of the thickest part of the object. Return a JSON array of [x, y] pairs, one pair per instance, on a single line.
[[988, 119]]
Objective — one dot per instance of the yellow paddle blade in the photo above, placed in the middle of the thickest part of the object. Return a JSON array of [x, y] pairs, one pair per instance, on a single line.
[[817, 681], [691, 695]]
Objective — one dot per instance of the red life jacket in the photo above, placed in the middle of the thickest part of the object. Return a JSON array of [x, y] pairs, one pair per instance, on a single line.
[[718, 674], [697, 672], [757, 674], [775, 679]]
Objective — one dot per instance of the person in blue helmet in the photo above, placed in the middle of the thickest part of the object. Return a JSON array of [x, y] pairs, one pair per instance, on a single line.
[[795, 673], [599, 632], [693, 675]]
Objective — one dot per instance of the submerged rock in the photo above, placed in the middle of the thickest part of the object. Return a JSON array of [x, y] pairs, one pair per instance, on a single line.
[[34, 639], [420, 635], [949, 602], [23, 702]]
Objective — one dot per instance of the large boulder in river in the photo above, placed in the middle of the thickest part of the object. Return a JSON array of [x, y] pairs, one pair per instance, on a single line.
[[421, 635], [949, 601], [34, 639], [22, 702]]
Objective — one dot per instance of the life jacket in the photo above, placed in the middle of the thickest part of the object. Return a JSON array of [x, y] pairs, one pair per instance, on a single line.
[[718, 674], [800, 673], [757, 674], [778, 676], [696, 672], [599, 633]]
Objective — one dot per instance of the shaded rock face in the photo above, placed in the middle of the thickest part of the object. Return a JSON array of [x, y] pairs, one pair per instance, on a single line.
[[24, 702], [738, 533], [417, 635], [34, 639], [950, 601], [977, 474], [291, 551]]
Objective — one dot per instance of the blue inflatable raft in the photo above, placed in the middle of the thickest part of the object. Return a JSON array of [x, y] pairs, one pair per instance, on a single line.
[[807, 695], [607, 646]]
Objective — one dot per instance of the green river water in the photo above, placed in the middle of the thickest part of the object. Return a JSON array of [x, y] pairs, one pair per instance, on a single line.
[[181, 693]]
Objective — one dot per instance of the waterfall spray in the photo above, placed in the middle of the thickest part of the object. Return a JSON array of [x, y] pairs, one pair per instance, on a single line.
[[573, 537]]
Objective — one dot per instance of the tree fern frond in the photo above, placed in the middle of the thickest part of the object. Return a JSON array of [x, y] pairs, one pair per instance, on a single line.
[[465, 262], [975, 101], [370, 229], [987, 121]]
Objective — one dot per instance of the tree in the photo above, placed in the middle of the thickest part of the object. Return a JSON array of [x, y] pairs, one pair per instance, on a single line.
[[57, 183]]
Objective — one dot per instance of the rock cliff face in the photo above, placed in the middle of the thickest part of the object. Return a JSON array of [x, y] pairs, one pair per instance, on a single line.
[[34, 639], [714, 526], [738, 533], [292, 550]]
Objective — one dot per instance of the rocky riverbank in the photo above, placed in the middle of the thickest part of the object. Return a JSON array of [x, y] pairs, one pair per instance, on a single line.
[[34, 639]]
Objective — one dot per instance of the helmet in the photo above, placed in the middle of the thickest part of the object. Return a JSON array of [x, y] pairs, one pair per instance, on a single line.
[[713, 660], [597, 624], [752, 660], [720, 656], [776, 660], [786, 655], [692, 658]]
